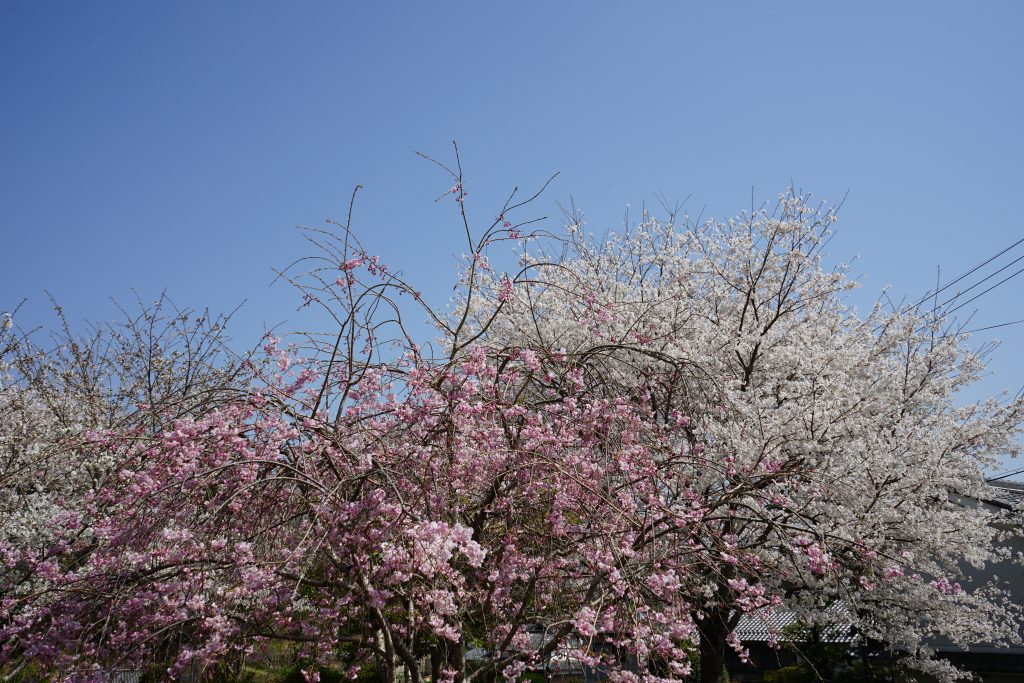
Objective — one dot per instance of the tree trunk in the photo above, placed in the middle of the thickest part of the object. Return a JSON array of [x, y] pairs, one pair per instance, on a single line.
[[447, 655], [713, 632], [435, 663], [457, 659]]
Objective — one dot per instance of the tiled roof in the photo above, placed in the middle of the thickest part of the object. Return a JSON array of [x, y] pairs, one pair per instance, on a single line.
[[767, 625], [1007, 494]]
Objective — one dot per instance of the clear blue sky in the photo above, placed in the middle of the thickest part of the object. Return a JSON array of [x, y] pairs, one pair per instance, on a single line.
[[177, 145]]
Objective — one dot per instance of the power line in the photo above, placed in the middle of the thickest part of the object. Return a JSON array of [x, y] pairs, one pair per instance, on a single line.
[[984, 279], [1004, 476], [968, 273], [976, 268], [992, 327], [1006, 279]]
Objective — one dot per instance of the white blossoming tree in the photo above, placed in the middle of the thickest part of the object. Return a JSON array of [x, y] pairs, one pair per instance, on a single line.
[[833, 456]]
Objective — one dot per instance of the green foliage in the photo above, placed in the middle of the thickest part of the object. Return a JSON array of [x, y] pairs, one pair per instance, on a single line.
[[327, 675], [529, 677], [223, 673], [30, 673], [695, 670], [152, 675], [796, 673], [368, 673], [820, 659]]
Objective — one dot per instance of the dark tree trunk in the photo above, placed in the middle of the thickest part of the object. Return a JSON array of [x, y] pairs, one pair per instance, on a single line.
[[457, 659], [435, 663], [714, 629], [448, 655]]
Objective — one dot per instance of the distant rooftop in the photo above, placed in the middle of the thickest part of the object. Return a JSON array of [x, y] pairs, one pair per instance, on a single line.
[[1007, 494], [766, 625]]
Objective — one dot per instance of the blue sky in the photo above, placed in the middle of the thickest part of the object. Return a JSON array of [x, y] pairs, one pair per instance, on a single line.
[[177, 145]]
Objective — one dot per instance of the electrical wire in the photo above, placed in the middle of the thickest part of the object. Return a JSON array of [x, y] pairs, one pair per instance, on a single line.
[[976, 268], [1005, 475], [992, 327], [979, 282], [977, 296]]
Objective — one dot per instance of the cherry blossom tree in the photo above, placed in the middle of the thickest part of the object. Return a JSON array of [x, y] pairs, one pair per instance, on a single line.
[[400, 506], [133, 377], [631, 441], [832, 459]]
